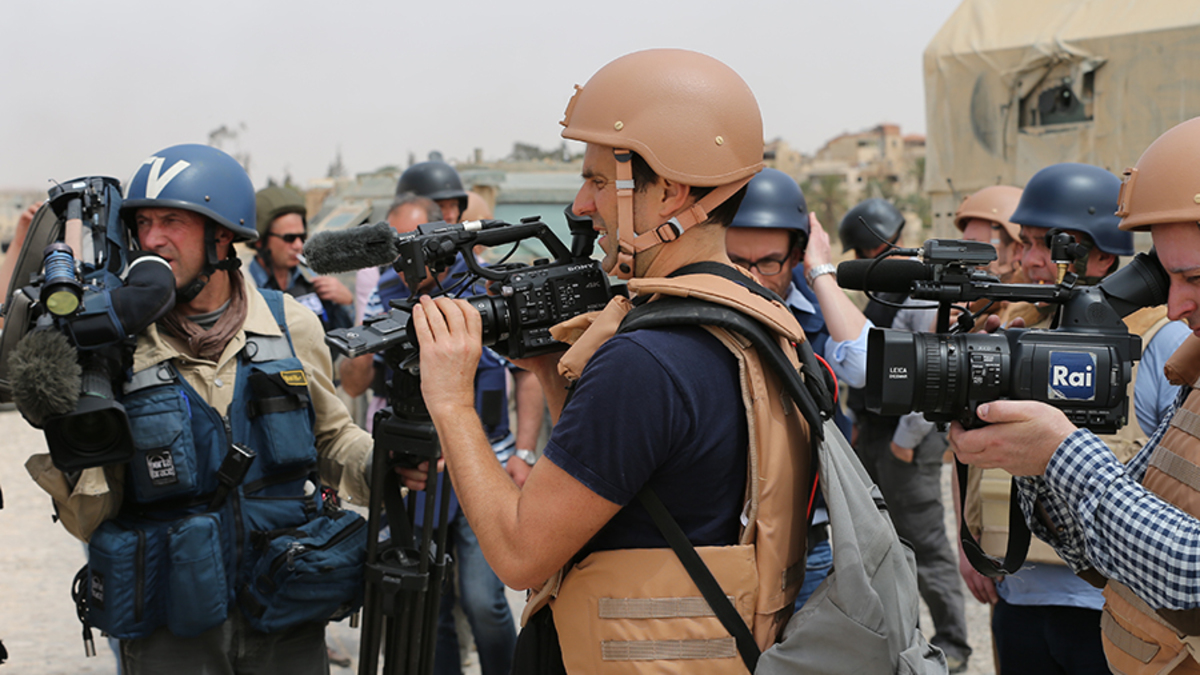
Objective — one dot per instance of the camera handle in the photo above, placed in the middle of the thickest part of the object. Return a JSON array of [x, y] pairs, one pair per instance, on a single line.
[[403, 576]]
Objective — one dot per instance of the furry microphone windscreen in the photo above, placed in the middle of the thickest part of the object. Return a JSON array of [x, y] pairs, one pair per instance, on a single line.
[[45, 374], [334, 252]]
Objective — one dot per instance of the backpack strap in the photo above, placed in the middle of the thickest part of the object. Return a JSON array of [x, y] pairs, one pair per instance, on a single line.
[[702, 577], [812, 394]]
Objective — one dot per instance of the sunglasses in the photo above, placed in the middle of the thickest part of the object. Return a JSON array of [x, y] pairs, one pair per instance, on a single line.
[[290, 238]]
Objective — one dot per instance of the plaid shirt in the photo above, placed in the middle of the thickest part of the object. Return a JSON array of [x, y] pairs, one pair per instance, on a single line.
[[1104, 518]]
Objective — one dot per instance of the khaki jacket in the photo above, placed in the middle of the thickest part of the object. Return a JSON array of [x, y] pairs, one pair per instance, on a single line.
[[344, 450]]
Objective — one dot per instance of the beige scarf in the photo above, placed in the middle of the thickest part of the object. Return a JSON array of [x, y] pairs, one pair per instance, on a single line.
[[208, 344]]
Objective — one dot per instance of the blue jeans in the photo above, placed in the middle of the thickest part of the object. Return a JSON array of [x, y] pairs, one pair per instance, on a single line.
[[816, 568], [482, 600]]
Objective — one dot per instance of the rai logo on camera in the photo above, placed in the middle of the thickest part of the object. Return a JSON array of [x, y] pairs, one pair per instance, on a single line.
[[1072, 376]]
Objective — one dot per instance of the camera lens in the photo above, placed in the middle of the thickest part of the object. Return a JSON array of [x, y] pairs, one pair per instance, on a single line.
[[493, 311], [93, 433], [939, 375]]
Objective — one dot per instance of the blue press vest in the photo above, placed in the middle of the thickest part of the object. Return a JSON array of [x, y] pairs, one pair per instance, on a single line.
[[169, 559]]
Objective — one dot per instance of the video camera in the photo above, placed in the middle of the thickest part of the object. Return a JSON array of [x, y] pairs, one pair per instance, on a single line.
[[74, 307], [527, 299], [404, 572], [1081, 365]]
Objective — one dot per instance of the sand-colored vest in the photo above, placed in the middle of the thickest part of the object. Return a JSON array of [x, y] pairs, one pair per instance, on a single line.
[[1139, 639], [986, 510], [638, 611]]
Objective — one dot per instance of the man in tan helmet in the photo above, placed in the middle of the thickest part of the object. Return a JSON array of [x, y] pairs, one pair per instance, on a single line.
[[1134, 524], [984, 216], [672, 139]]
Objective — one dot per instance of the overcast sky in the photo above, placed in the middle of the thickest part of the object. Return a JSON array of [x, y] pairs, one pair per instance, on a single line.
[[95, 87]]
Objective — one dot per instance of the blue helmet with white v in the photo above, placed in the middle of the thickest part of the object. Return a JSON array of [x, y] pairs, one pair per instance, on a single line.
[[195, 178]]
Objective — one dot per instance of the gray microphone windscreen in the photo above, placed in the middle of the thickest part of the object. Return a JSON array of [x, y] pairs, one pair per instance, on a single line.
[[334, 252], [45, 374]]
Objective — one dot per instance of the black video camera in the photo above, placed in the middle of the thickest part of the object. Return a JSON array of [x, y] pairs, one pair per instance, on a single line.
[[524, 300], [1082, 365], [74, 306]]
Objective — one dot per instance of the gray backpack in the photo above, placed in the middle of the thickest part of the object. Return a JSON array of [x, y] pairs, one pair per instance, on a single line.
[[863, 617]]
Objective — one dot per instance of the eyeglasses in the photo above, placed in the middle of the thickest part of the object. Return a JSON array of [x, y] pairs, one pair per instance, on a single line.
[[289, 238], [768, 267]]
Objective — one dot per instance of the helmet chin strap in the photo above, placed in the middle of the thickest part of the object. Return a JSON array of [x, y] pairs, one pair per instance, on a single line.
[[629, 243], [212, 264]]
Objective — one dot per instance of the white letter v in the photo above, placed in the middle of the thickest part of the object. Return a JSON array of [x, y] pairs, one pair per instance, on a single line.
[[156, 180]]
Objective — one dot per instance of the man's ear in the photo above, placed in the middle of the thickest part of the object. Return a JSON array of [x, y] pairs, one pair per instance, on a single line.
[[675, 198], [796, 256], [224, 240]]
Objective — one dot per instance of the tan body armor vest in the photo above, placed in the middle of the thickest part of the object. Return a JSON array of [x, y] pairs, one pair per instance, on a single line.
[[1139, 639], [986, 510], [637, 610]]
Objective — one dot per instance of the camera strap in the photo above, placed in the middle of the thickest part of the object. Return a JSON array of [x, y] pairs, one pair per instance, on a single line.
[[1018, 534]]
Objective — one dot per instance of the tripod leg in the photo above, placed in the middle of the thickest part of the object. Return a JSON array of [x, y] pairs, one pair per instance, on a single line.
[[437, 577]]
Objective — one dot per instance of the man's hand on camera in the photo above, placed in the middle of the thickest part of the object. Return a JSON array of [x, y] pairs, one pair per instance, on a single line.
[[23, 222], [1020, 437], [415, 479], [449, 334], [992, 323]]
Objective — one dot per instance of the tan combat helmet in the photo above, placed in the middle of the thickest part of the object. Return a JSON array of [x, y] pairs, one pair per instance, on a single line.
[[994, 204], [691, 117], [1164, 186]]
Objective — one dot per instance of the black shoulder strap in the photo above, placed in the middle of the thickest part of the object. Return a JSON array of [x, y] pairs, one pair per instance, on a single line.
[[703, 578], [1018, 534], [812, 395]]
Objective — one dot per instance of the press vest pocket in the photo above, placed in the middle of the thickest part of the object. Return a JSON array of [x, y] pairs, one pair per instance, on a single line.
[[164, 462], [313, 572], [282, 413], [125, 578], [197, 591]]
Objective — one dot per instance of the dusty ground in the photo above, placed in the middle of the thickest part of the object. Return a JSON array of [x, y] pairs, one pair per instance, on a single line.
[[38, 560]]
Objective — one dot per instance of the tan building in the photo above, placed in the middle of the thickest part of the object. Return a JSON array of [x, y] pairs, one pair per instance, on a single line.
[[1013, 86]]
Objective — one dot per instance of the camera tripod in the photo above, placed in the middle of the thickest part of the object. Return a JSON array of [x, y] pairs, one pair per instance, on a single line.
[[403, 576]]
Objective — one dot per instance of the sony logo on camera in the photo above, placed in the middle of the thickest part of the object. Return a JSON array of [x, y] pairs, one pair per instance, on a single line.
[[1072, 376]]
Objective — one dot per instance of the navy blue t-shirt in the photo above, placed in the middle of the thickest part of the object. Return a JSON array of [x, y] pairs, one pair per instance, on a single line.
[[661, 407]]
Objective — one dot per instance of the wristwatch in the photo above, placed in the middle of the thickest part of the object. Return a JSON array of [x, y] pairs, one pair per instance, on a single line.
[[819, 270], [526, 456]]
